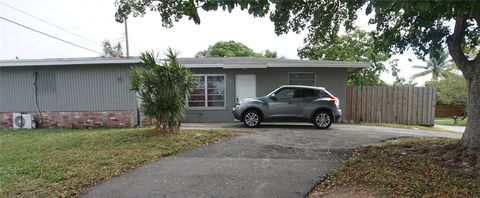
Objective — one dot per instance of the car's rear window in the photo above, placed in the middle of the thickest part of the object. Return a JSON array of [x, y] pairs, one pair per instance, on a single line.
[[328, 93], [305, 92]]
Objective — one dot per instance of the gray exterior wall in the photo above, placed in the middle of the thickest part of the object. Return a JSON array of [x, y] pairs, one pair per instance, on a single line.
[[106, 87], [333, 79], [66, 88]]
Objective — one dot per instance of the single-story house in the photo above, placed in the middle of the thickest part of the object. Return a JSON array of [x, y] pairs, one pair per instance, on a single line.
[[94, 92]]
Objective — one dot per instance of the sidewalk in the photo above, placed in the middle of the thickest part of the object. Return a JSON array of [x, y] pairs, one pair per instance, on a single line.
[[451, 128]]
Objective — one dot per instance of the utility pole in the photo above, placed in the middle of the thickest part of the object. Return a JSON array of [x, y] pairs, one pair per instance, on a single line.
[[126, 36]]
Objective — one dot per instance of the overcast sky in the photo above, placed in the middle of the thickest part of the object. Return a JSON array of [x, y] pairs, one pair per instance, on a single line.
[[94, 20]]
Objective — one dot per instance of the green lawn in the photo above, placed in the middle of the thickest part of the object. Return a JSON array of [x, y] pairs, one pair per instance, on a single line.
[[449, 121], [410, 167], [60, 162]]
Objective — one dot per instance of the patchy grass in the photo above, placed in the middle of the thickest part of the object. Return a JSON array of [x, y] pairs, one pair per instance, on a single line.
[[407, 167], [417, 127], [449, 121], [60, 162]]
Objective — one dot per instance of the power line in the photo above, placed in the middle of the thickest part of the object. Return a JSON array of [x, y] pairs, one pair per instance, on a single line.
[[49, 35], [26, 13]]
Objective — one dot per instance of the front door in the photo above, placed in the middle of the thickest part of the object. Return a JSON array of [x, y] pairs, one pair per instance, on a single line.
[[245, 86]]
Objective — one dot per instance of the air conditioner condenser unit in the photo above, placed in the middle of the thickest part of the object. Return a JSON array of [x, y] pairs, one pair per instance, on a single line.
[[22, 121]]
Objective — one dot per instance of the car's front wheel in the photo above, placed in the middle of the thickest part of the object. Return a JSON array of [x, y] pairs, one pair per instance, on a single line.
[[322, 119], [251, 118]]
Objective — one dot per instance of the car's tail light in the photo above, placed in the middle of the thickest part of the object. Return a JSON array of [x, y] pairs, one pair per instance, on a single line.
[[332, 98]]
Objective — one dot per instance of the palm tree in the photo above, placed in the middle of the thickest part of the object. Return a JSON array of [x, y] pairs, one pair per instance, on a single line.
[[163, 88], [439, 65], [112, 51]]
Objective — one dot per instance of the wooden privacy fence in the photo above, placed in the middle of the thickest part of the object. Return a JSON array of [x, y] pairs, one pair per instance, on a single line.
[[384, 104]]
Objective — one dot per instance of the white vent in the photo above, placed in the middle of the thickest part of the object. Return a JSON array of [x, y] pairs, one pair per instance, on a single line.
[[22, 121]]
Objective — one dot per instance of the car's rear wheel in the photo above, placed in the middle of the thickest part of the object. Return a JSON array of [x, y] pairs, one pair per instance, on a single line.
[[251, 118], [322, 119]]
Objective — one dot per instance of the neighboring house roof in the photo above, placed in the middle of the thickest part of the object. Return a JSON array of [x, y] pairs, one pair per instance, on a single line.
[[225, 63]]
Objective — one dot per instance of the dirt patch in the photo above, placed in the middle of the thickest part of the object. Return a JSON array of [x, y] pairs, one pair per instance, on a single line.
[[406, 167]]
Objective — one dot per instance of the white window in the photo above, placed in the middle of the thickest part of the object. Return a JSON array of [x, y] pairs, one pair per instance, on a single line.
[[209, 92], [302, 78]]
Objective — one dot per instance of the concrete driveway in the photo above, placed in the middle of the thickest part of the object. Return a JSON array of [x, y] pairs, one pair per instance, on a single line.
[[274, 161]]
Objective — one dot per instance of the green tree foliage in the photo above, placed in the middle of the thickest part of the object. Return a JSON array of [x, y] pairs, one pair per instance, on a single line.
[[112, 51], [174, 10], [202, 54], [400, 25], [270, 54], [163, 89], [450, 90], [355, 46], [227, 49], [438, 65], [233, 49]]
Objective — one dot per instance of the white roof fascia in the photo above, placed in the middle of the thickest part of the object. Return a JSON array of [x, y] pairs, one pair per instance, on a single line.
[[204, 65], [238, 66], [69, 62], [335, 65]]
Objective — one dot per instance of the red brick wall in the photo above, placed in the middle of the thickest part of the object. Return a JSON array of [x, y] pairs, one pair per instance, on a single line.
[[5, 120], [77, 120], [144, 120]]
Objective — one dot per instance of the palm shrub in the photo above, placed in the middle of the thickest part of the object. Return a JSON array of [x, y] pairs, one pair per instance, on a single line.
[[163, 88]]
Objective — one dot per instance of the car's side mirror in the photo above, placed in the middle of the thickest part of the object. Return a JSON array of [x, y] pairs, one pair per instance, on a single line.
[[273, 97]]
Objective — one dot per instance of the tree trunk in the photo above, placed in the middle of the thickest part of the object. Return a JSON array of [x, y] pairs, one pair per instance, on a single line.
[[471, 136], [471, 70], [434, 77]]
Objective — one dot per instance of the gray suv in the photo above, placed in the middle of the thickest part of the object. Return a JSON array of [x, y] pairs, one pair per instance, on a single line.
[[290, 103]]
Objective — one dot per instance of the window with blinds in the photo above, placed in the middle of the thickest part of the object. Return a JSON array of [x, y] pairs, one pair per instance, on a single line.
[[302, 78]]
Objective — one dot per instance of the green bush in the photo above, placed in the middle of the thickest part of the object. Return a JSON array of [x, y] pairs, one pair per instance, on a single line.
[[163, 89], [450, 90]]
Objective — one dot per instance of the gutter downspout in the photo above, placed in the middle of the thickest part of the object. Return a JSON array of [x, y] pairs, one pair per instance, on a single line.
[[36, 97]]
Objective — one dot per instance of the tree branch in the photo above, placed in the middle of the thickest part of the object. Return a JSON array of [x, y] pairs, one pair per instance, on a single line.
[[454, 42], [476, 16]]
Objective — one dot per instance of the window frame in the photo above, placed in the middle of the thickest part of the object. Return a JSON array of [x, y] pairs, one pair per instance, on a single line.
[[314, 73], [206, 107]]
